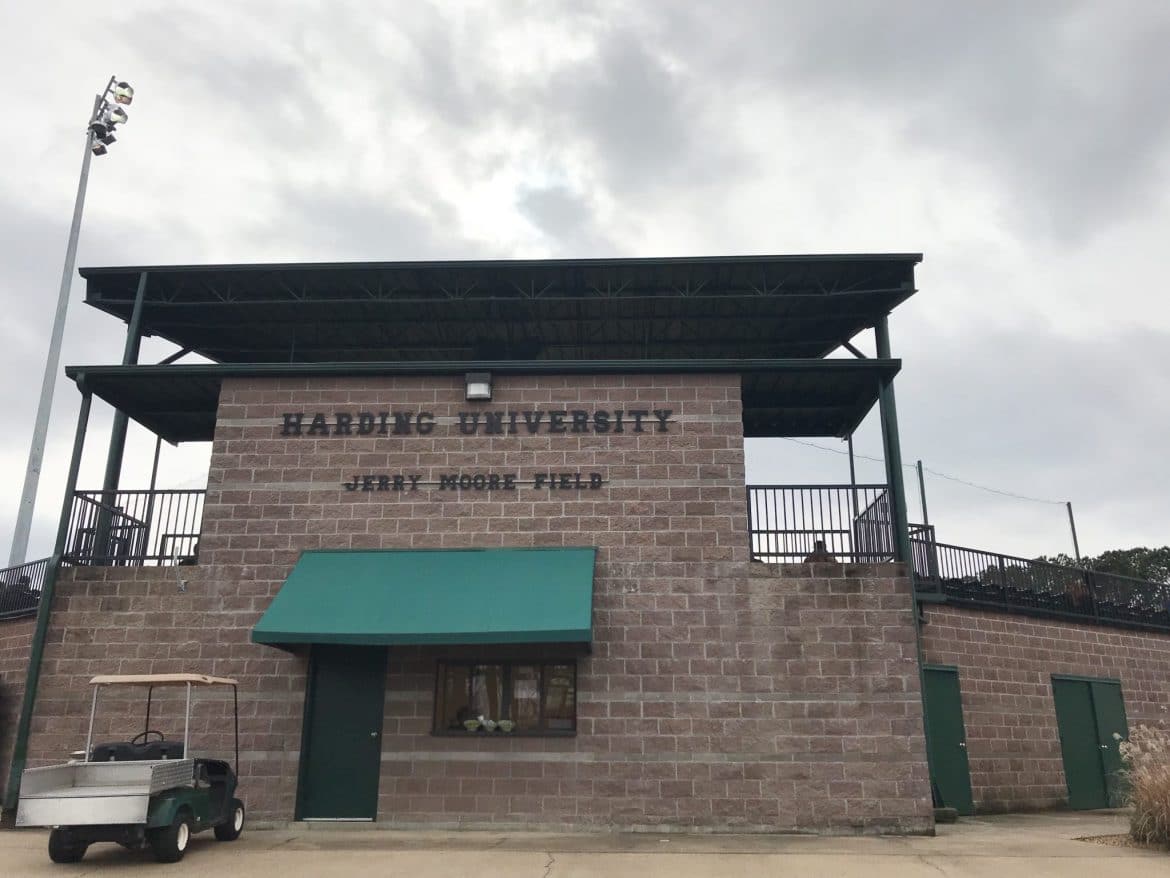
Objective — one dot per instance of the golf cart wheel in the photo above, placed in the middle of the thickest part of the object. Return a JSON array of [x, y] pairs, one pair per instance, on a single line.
[[231, 828], [64, 847], [170, 843]]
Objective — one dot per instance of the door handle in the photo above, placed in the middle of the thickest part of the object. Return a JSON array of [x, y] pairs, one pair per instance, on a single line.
[[373, 734], [1104, 746], [963, 744]]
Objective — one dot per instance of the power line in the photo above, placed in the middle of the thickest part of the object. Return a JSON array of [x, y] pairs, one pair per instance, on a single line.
[[949, 478]]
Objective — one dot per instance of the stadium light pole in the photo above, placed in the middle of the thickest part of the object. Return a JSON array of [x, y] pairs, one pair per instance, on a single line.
[[106, 116]]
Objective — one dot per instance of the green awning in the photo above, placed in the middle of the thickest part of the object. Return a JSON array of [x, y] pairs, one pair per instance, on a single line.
[[450, 596]]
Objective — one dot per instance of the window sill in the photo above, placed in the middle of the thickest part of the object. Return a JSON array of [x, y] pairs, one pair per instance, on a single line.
[[503, 736]]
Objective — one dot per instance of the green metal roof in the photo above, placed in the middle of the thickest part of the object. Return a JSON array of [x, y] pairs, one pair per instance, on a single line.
[[405, 597], [737, 307], [780, 397]]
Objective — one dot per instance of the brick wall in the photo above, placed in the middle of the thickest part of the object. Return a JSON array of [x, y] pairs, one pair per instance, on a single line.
[[1006, 665], [719, 693], [771, 698], [15, 642], [152, 620]]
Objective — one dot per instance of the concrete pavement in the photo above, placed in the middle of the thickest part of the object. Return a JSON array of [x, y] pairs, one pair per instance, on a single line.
[[1012, 846]]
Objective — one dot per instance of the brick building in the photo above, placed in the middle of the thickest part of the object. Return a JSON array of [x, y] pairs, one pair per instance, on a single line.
[[475, 543]]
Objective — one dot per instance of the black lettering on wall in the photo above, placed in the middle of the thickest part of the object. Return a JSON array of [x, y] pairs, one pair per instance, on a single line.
[[580, 421], [424, 423], [292, 423], [637, 415], [532, 421], [493, 422], [663, 416], [402, 423], [556, 422], [365, 423], [318, 427], [469, 423]]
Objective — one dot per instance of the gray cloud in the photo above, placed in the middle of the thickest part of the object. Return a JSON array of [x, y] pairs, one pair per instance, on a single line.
[[1021, 146], [1064, 99], [365, 226], [566, 218]]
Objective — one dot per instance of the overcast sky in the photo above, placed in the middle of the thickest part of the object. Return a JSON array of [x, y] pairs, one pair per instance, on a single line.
[[1023, 148]]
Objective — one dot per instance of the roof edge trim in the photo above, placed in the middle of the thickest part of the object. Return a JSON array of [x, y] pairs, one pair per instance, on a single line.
[[503, 367]]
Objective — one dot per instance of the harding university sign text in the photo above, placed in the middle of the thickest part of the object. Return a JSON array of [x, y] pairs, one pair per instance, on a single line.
[[489, 423], [497, 423]]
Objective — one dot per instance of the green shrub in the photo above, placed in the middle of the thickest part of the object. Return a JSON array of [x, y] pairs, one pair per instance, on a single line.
[[1147, 761]]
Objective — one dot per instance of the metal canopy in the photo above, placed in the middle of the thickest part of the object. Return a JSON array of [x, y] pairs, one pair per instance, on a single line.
[[747, 307], [780, 397]]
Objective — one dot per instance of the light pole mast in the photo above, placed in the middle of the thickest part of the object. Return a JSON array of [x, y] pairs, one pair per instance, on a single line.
[[99, 134]]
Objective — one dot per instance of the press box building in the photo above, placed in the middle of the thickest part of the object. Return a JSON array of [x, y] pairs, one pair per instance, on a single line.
[[477, 543]]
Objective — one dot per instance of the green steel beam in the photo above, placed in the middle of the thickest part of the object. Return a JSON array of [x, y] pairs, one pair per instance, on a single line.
[[893, 454], [37, 649], [121, 419], [893, 450]]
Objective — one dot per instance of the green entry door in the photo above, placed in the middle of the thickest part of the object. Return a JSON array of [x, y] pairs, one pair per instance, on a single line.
[[341, 748], [949, 771], [1089, 713]]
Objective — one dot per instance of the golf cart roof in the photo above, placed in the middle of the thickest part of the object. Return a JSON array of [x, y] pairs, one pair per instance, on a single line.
[[160, 680]]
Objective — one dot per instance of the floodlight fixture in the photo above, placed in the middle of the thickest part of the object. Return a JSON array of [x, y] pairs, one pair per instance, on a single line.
[[99, 134], [479, 385]]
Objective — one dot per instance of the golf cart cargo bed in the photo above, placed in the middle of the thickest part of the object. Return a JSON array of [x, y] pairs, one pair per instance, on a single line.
[[60, 795]]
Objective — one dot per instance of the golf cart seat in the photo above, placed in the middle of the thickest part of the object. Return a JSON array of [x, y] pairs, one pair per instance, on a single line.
[[125, 751]]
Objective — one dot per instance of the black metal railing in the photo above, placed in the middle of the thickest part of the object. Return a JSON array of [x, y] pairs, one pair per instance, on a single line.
[[786, 522], [134, 528], [20, 589], [996, 581]]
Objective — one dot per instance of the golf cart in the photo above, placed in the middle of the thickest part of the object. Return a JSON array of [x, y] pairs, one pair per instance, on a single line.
[[145, 791]]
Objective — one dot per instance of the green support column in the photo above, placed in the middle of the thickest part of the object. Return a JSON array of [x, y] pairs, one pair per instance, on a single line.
[[37, 648], [893, 453], [121, 421], [897, 489]]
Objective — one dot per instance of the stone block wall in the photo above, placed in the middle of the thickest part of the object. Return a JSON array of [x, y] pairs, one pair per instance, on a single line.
[[158, 620], [1006, 663], [15, 643], [750, 697], [719, 694]]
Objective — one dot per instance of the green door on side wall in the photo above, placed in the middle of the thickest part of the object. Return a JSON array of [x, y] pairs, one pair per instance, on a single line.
[[1088, 714], [341, 747], [949, 770]]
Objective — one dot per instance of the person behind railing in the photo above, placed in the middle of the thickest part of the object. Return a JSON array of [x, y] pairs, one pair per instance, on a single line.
[[18, 594], [820, 555], [192, 559], [1079, 597]]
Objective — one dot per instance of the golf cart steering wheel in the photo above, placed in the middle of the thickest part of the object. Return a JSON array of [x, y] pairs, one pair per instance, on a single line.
[[145, 736]]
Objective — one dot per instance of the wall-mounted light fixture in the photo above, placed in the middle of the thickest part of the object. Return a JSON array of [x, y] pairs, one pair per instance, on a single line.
[[479, 385]]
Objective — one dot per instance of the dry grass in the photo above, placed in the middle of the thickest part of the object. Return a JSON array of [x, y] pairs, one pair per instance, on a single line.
[[1147, 761]]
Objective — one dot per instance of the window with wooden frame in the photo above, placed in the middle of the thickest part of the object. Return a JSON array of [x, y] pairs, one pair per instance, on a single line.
[[506, 698]]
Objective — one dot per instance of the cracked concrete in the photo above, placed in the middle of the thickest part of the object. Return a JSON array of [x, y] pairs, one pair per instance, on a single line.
[[1007, 846]]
